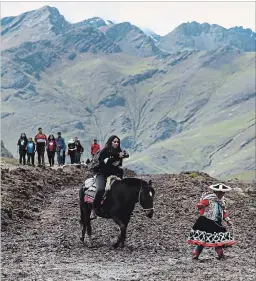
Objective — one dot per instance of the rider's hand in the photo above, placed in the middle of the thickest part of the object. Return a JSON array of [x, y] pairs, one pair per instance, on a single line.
[[121, 154]]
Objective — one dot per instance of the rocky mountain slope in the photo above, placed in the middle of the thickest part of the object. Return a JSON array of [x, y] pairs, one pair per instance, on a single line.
[[192, 109], [196, 36]]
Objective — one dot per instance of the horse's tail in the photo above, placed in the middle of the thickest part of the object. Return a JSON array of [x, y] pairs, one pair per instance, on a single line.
[[81, 203]]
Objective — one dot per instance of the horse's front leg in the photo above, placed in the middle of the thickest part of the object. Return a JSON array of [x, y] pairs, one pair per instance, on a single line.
[[122, 235], [82, 222], [125, 221]]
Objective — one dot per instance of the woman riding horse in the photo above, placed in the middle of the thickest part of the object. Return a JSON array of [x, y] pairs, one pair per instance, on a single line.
[[119, 205], [110, 162]]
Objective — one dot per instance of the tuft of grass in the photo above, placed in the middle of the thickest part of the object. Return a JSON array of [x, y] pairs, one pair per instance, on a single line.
[[9, 161], [193, 175]]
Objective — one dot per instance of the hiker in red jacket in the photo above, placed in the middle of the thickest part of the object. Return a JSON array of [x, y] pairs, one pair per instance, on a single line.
[[41, 143], [51, 149], [94, 147]]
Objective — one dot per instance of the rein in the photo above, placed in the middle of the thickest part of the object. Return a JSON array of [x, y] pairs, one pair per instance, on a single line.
[[150, 209]]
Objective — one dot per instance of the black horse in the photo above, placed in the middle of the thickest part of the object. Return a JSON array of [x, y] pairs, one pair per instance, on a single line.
[[119, 205]]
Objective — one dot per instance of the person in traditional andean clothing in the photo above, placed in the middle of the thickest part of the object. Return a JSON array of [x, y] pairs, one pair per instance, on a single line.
[[208, 230]]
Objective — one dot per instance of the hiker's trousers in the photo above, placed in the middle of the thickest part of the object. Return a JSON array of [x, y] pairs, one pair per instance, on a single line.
[[101, 181]]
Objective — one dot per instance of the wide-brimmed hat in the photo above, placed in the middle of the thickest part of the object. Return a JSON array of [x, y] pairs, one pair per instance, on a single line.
[[220, 187]]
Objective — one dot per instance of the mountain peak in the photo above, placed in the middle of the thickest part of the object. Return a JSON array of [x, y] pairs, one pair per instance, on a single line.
[[95, 22], [149, 32], [32, 26], [205, 36], [195, 28], [49, 9]]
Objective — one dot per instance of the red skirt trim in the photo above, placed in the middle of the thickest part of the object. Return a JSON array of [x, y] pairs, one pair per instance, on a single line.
[[217, 244]]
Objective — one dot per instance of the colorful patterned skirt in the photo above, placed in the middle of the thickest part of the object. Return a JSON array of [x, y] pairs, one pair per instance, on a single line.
[[209, 233]]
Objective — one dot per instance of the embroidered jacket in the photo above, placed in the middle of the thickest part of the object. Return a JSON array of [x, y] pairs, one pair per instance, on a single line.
[[212, 207]]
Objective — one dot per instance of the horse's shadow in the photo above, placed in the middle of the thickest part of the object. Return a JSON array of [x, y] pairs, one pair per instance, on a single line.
[[107, 245]]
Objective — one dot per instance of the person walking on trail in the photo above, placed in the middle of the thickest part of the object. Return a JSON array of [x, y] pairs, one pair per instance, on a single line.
[[31, 148], [79, 150], [51, 149], [72, 150], [61, 149], [208, 230], [22, 143], [41, 143], [94, 147]]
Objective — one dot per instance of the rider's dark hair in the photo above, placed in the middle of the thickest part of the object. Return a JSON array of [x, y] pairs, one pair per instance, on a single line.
[[109, 142]]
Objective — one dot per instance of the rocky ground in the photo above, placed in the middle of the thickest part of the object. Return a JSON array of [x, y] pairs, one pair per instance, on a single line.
[[40, 231]]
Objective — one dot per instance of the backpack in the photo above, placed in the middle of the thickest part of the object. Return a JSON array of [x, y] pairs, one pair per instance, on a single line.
[[95, 163]]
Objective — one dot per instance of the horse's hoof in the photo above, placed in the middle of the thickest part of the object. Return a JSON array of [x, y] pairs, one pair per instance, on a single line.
[[82, 239], [114, 246], [121, 245], [90, 245]]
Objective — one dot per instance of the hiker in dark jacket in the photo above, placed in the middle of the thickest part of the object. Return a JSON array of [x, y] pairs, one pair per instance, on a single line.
[[22, 143], [51, 149], [71, 150], [61, 149], [79, 150], [110, 163], [31, 148]]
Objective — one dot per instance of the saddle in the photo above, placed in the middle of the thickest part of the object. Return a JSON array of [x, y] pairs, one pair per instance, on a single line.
[[90, 188]]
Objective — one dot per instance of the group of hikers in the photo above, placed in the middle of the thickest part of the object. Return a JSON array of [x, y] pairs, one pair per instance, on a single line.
[[52, 145]]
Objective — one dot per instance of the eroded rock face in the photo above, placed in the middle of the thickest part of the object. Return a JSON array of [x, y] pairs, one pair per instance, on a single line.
[[141, 77], [4, 151]]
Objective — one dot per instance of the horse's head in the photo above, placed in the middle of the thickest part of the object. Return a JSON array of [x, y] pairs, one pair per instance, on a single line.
[[146, 197]]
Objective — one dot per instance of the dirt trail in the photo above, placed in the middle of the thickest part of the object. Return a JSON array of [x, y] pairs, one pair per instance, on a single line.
[[42, 242]]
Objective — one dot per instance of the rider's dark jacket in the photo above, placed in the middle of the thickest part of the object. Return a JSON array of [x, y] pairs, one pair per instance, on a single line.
[[110, 162]]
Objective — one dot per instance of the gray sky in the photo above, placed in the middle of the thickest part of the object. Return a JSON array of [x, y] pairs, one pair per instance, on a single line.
[[161, 17]]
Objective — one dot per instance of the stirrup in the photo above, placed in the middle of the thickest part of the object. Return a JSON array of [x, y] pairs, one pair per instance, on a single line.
[[93, 215]]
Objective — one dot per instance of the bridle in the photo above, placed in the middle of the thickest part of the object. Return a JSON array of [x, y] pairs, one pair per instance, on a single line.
[[141, 187]]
